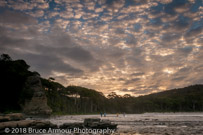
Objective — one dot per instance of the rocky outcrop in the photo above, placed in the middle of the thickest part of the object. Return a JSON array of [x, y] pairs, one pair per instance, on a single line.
[[96, 123], [38, 103], [90, 123], [11, 117], [17, 121], [71, 126], [36, 124]]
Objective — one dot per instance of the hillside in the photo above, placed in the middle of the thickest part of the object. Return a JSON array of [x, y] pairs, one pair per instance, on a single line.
[[72, 99], [80, 100], [182, 99], [13, 76]]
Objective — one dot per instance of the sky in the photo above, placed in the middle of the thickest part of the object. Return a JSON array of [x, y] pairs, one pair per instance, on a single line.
[[132, 47]]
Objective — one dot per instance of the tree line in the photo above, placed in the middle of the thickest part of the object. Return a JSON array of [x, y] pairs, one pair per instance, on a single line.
[[80, 100]]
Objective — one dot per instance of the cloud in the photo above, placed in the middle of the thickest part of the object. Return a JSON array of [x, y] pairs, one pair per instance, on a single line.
[[194, 32], [179, 26], [186, 50], [132, 81], [115, 5], [165, 1], [79, 54], [170, 37], [169, 17], [16, 18], [137, 92], [3, 3], [199, 68], [141, 2], [101, 2], [49, 64], [137, 46], [26, 5], [99, 10], [48, 53], [38, 13], [138, 74], [182, 7]]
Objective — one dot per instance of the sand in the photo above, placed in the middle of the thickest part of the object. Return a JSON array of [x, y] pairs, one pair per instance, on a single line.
[[147, 123]]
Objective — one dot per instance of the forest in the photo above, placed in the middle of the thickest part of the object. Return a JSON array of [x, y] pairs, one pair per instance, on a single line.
[[80, 100]]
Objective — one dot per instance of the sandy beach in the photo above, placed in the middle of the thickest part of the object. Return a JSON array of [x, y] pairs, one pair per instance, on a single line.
[[147, 123]]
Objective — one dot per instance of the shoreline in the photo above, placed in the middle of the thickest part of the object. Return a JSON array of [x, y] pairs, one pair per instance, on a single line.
[[147, 123], [137, 124]]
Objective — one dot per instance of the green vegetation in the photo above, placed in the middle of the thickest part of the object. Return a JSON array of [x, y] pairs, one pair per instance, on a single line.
[[80, 100]]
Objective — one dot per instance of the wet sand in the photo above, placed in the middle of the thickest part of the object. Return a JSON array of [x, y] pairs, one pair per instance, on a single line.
[[147, 123]]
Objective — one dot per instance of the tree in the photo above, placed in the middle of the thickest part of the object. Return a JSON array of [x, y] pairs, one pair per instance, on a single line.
[[51, 79], [5, 57], [127, 96], [112, 95], [13, 75]]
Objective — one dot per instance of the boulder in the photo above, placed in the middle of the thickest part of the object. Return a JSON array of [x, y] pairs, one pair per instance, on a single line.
[[71, 126], [90, 121], [38, 103], [106, 121], [96, 123]]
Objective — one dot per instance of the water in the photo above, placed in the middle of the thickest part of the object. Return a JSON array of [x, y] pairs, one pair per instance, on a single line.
[[148, 123]]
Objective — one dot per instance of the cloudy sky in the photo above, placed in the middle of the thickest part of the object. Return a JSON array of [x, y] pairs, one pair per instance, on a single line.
[[124, 46]]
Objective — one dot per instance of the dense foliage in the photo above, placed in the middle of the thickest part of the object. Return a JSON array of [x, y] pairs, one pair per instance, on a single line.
[[13, 75], [73, 99], [80, 100]]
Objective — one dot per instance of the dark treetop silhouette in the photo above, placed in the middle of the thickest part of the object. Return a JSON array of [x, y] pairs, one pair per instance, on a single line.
[[77, 100]]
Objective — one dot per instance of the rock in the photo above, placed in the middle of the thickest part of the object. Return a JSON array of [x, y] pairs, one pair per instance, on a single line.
[[13, 124], [104, 126], [4, 118], [89, 121], [96, 123], [16, 116], [71, 125], [106, 121], [12, 117], [35, 124], [38, 104]]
